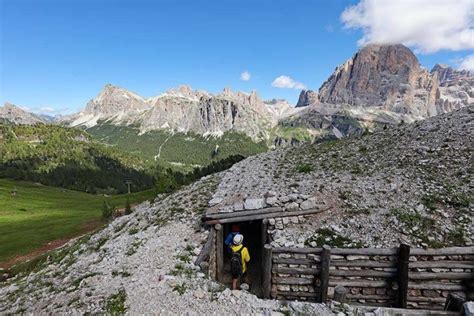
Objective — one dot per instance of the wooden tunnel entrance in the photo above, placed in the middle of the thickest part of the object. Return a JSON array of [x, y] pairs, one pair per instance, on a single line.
[[254, 240], [254, 227]]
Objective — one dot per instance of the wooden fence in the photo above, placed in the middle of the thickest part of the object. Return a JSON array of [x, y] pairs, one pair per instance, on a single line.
[[400, 277]]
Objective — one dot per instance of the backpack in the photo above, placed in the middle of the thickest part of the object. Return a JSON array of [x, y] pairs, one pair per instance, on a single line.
[[236, 262]]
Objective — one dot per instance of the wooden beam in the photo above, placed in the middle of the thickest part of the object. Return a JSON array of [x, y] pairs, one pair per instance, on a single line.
[[219, 252], [293, 281], [223, 215], [360, 283], [296, 294], [267, 271], [450, 251], [448, 264], [365, 251], [285, 270], [297, 250], [364, 264], [362, 273], [262, 216], [369, 297], [402, 275], [207, 249], [441, 275], [295, 261], [324, 274], [436, 286]]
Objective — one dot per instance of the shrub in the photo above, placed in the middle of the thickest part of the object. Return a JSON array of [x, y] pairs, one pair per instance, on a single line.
[[116, 303], [107, 211], [304, 168]]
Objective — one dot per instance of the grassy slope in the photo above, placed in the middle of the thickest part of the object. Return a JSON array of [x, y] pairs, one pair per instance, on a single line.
[[188, 149], [40, 214]]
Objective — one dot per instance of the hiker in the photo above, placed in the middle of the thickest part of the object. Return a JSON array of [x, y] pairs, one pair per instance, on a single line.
[[235, 229], [239, 260]]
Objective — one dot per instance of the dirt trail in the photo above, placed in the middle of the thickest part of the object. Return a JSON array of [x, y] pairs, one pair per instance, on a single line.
[[85, 229]]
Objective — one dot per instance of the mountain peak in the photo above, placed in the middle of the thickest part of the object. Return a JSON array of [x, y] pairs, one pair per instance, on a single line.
[[379, 76], [307, 97], [15, 114]]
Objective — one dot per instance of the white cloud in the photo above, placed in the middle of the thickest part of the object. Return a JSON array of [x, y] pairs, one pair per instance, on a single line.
[[467, 63], [245, 76], [47, 109], [425, 25], [287, 82]]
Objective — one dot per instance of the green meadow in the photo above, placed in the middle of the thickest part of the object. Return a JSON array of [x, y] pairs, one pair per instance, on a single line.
[[40, 214]]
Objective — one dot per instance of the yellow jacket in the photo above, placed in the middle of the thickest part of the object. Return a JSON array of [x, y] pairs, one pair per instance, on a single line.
[[244, 254]]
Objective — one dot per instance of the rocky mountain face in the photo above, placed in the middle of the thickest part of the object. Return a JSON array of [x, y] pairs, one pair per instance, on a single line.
[[307, 97], [388, 77], [456, 88], [380, 85], [184, 110], [13, 114]]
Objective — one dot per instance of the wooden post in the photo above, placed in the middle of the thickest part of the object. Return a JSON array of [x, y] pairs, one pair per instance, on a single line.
[[219, 252], [454, 302], [324, 274], [264, 234], [402, 275], [340, 294], [267, 271], [207, 249]]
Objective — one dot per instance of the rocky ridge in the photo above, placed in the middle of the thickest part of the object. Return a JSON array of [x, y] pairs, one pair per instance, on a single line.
[[184, 110], [456, 88], [16, 115]]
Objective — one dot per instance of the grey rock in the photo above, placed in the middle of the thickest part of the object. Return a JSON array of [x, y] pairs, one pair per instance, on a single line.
[[254, 203]]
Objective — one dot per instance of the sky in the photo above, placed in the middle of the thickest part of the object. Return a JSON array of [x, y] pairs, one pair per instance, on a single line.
[[55, 55]]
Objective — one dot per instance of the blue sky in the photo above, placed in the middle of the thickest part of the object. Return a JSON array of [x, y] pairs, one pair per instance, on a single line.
[[56, 55]]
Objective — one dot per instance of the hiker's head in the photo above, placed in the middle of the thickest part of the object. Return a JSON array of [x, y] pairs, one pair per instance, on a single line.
[[238, 239], [235, 228]]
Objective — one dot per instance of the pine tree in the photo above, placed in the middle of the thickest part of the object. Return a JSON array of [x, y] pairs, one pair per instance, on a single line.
[[107, 211]]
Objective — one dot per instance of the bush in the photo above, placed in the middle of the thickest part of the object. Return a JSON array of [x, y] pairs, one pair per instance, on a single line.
[[107, 211], [304, 168]]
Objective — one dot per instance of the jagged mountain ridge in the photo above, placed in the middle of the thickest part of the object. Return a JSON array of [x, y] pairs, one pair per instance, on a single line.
[[184, 110], [16, 115], [379, 85]]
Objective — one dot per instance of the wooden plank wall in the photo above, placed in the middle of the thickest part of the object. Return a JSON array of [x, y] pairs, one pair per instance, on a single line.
[[373, 276]]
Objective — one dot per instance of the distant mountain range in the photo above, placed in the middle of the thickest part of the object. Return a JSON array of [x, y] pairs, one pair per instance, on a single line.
[[379, 85]]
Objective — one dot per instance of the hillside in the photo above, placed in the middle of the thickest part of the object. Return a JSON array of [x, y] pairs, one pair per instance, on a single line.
[[37, 215], [406, 184], [176, 150], [68, 158]]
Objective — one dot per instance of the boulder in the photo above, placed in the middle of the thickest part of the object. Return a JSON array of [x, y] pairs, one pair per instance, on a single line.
[[254, 204], [293, 206], [215, 201], [309, 204], [271, 200]]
